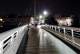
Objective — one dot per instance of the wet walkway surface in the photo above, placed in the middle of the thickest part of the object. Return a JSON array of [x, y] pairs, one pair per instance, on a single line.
[[40, 42], [33, 41]]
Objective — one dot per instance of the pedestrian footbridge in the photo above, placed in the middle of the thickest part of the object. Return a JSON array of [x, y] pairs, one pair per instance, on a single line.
[[43, 39]]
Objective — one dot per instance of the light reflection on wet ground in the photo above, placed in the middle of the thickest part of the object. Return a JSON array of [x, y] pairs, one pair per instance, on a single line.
[[41, 42]]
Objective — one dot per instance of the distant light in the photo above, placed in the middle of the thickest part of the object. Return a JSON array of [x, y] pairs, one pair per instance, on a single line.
[[32, 20], [60, 21], [39, 26], [45, 13], [1, 19], [40, 16], [69, 22], [66, 22]]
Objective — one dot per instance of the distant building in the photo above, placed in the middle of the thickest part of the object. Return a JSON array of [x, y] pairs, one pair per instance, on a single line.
[[64, 21]]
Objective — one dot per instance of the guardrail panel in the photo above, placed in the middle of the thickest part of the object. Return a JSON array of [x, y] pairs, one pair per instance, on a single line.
[[10, 40]]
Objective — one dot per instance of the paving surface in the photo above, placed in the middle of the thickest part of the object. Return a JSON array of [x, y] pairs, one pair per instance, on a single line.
[[33, 41], [40, 42], [68, 38]]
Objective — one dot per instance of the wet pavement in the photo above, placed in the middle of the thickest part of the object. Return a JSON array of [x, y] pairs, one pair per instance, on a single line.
[[33, 41], [41, 42]]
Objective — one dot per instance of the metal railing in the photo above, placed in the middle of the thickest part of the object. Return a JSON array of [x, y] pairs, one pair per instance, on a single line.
[[68, 33], [10, 40]]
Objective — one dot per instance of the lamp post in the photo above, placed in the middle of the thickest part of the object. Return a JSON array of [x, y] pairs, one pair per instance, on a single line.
[[45, 13], [43, 16], [40, 19]]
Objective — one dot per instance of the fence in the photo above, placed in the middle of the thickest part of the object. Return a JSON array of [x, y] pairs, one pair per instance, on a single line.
[[10, 40], [68, 33]]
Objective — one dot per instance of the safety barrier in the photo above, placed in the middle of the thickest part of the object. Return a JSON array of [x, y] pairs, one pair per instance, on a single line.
[[68, 33], [10, 40]]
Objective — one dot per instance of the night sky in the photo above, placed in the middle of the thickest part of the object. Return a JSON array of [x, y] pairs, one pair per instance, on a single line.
[[53, 6], [14, 6], [61, 6]]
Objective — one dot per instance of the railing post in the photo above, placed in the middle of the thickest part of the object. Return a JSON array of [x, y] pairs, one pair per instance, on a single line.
[[72, 34], [12, 39], [55, 28], [59, 29], [1, 47], [47, 26], [64, 33], [52, 27]]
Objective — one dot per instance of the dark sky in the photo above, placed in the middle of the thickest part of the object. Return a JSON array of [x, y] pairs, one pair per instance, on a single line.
[[14, 6], [54, 6], [61, 6]]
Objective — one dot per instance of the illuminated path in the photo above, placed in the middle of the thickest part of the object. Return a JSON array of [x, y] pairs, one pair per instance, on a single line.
[[42, 42]]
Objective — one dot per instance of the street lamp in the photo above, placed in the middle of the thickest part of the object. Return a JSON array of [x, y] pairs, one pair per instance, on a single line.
[[43, 16], [1, 19], [40, 16], [40, 19], [45, 13]]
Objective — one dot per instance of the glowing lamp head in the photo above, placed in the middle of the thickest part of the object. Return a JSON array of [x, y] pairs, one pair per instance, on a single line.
[[1, 19], [40, 16], [45, 13]]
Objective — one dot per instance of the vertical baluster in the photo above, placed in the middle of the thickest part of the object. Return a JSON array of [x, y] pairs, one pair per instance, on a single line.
[[64, 33], [55, 28], [1, 47], [72, 34]]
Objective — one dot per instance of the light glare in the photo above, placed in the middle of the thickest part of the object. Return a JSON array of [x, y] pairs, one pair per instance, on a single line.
[[45, 13], [1, 19], [40, 16]]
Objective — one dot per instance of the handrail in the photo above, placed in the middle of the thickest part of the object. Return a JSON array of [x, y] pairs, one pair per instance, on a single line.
[[10, 40], [69, 33]]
